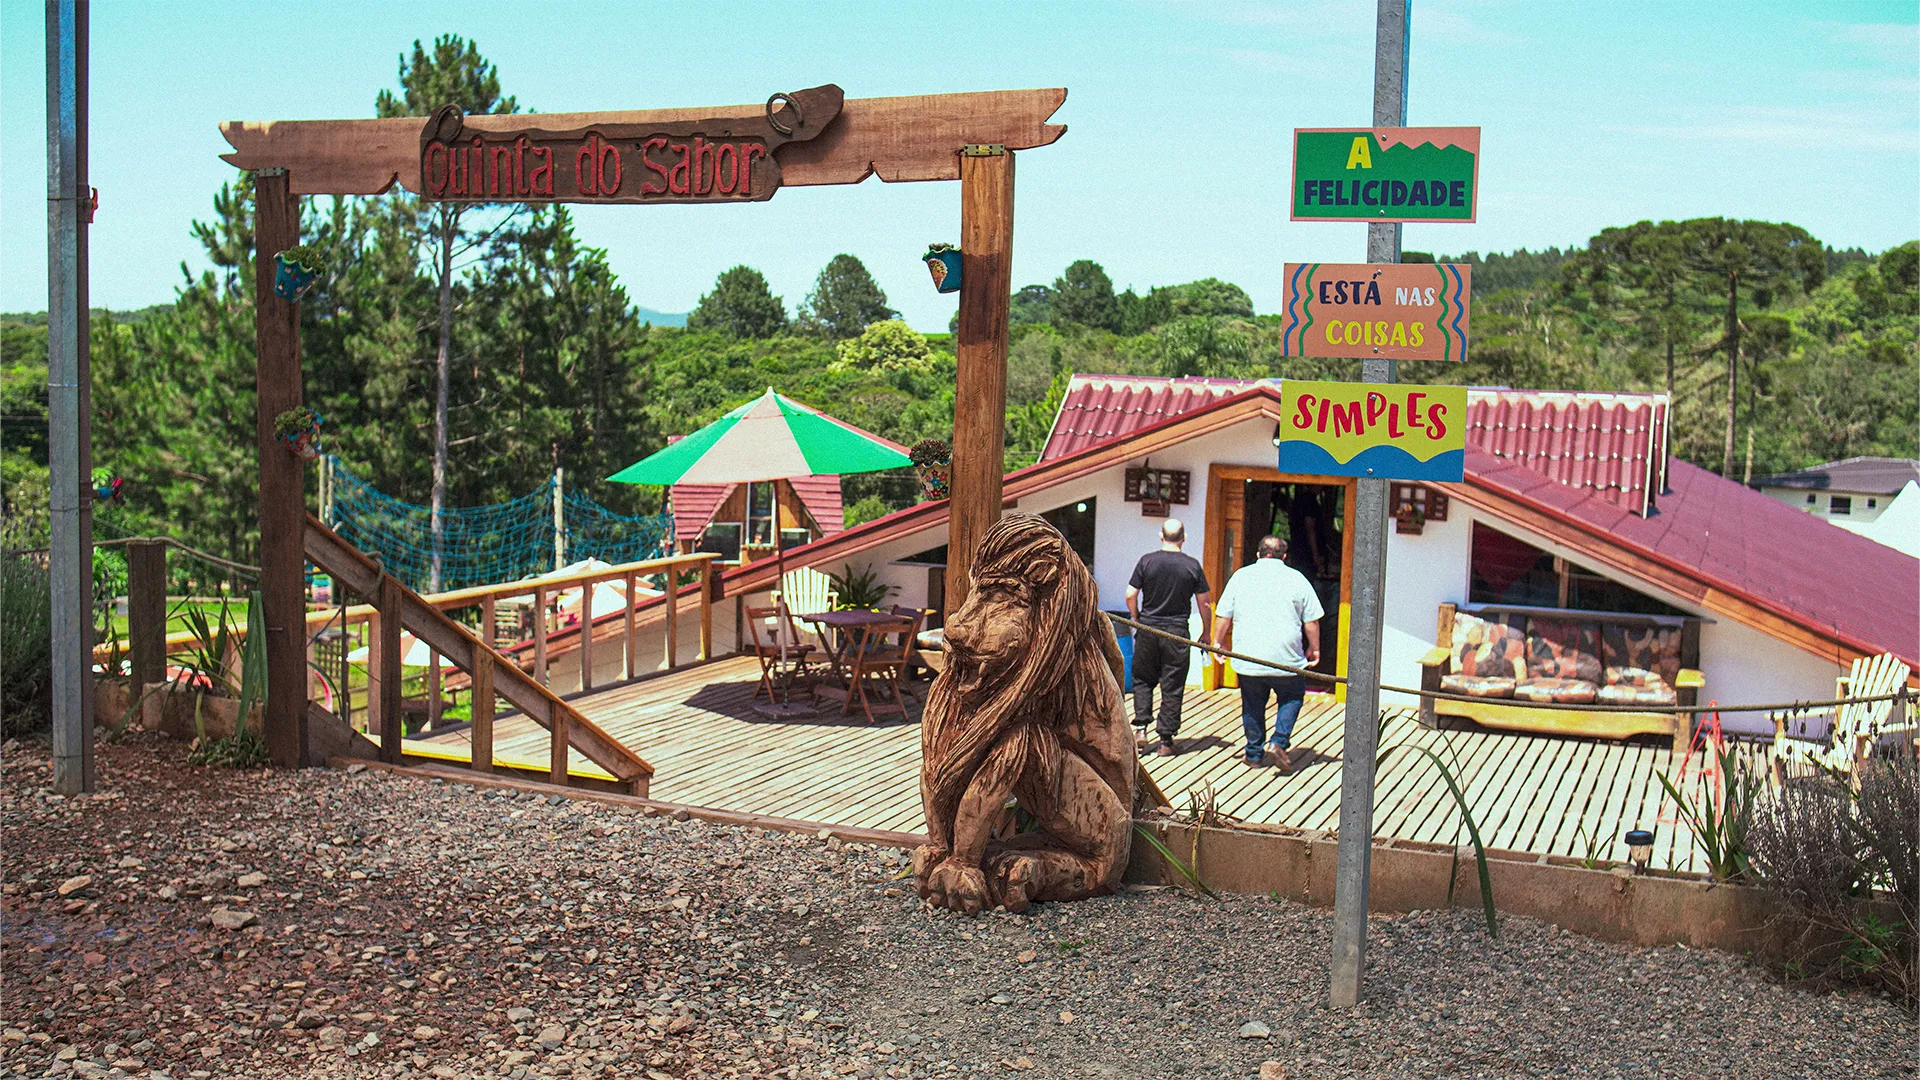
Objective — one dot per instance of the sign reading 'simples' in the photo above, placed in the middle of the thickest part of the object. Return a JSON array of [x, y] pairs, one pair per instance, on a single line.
[[1385, 174], [1395, 311], [1373, 430]]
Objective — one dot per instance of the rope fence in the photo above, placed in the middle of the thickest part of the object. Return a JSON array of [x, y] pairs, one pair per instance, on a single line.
[[1442, 695]]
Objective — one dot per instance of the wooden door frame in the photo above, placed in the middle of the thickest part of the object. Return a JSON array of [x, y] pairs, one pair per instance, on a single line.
[[1218, 477]]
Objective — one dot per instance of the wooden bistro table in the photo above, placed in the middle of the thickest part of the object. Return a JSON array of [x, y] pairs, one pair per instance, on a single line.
[[849, 623]]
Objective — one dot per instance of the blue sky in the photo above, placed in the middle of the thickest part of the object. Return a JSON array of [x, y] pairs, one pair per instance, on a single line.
[[1174, 165]]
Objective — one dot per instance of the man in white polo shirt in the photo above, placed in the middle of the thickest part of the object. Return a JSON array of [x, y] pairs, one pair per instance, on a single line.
[[1269, 611]]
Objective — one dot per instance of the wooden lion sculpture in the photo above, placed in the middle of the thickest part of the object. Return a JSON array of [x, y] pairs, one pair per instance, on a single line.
[[1029, 705]]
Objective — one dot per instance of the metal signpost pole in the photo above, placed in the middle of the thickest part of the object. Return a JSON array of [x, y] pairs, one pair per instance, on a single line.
[[1369, 581], [69, 406]]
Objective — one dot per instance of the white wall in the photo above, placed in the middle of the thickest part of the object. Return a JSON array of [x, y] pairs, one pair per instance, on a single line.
[[1859, 514]]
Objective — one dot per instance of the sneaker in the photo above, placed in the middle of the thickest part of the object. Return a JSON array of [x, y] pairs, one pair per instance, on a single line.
[[1282, 758], [1140, 738], [1253, 762], [1166, 750]]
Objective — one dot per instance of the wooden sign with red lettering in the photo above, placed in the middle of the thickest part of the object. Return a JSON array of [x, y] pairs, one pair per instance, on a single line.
[[692, 161]]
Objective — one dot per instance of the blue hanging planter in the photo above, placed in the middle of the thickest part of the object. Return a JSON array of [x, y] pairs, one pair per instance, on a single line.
[[943, 262], [290, 277]]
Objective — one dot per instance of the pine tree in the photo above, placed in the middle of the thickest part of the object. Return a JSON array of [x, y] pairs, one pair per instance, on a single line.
[[454, 74], [1084, 295], [740, 306], [844, 301]]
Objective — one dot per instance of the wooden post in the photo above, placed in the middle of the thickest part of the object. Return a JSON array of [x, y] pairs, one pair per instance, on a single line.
[[489, 633], [371, 636], [387, 647], [979, 416], [673, 617], [706, 609], [147, 611], [482, 706], [586, 635], [630, 664], [282, 509], [433, 691], [557, 744], [540, 636]]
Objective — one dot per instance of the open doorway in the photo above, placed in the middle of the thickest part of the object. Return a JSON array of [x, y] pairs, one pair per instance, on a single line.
[[1311, 518]]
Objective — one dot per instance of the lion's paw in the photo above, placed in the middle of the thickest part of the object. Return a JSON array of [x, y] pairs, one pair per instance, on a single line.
[[1012, 876], [961, 888], [925, 858]]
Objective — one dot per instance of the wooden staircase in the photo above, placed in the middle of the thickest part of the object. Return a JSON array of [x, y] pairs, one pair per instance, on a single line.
[[491, 673]]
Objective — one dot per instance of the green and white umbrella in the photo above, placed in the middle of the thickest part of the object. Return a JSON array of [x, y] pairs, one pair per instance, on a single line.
[[769, 438]]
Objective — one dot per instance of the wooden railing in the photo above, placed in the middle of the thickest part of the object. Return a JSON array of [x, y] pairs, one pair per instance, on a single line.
[[492, 673]]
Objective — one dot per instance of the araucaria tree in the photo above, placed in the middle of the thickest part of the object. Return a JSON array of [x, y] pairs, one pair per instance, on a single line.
[[1763, 257], [454, 73], [845, 301], [1084, 295], [740, 306]]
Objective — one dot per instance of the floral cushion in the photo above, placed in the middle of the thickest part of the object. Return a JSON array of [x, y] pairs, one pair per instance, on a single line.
[[1566, 691], [1656, 693], [1485, 648], [1648, 648], [1478, 685], [1563, 649]]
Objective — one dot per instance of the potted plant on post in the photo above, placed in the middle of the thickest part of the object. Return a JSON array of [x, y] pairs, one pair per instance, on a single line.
[[295, 270], [943, 262], [300, 430], [933, 464]]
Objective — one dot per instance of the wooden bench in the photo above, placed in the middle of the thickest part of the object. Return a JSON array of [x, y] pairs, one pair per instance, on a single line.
[[1518, 715]]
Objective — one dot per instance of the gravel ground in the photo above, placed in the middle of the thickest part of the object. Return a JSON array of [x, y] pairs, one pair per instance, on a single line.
[[193, 922]]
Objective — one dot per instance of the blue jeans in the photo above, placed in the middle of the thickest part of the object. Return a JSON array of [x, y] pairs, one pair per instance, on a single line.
[[1290, 690]]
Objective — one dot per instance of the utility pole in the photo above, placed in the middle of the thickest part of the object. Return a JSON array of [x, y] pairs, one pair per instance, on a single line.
[[69, 397], [1361, 748]]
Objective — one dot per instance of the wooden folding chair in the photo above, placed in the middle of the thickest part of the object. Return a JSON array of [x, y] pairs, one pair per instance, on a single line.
[[880, 659], [785, 660]]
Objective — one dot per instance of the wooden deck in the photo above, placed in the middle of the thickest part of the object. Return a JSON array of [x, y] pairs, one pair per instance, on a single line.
[[1528, 793]]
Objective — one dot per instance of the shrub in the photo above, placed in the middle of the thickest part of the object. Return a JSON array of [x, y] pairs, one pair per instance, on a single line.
[[1844, 865], [26, 647]]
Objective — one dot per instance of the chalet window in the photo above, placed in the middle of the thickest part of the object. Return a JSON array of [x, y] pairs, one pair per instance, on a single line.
[[1839, 504], [1809, 498], [1512, 572], [760, 515], [1075, 522], [1873, 504], [722, 538]]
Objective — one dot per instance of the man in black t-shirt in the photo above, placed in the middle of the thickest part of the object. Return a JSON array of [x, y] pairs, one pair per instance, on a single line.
[[1163, 590]]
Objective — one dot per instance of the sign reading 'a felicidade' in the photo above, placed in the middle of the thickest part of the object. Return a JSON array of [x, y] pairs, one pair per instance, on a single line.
[[1375, 430], [1395, 311], [1385, 174]]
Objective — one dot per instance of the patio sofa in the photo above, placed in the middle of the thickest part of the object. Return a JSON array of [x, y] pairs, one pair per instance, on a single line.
[[1510, 656]]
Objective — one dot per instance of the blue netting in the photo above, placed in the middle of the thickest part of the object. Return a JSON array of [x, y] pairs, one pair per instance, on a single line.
[[485, 545]]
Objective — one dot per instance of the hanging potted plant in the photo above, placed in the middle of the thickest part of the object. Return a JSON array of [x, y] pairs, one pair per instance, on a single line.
[[295, 270], [300, 430], [943, 262], [106, 486], [933, 463]]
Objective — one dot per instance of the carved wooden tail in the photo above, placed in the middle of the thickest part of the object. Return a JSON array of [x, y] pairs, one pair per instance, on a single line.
[[402, 607]]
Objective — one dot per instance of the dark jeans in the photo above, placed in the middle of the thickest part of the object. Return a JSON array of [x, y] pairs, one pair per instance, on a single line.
[[1291, 690], [1159, 661]]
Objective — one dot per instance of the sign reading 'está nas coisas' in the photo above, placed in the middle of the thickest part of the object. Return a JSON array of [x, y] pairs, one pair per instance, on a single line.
[[1395, 311], [1385, 174], [1373, 430]]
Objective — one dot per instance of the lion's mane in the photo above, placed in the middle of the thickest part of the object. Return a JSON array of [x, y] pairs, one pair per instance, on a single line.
[[1071, 669]]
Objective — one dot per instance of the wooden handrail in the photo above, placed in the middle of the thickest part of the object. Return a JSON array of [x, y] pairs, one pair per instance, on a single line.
[[467, 597], [570, 729]]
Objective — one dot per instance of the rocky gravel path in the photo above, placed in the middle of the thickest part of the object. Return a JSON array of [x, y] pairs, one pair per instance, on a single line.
[[190, 922]]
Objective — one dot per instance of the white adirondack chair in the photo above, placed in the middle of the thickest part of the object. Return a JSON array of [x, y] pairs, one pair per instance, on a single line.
[[1857, 729], [807, 591]]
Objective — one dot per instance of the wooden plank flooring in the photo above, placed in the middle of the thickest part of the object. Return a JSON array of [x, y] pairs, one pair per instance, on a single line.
[[1527, 793]]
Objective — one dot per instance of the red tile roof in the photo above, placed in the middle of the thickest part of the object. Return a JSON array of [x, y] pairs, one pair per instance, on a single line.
[[1740, 541], [695, 504], [1612, 443]]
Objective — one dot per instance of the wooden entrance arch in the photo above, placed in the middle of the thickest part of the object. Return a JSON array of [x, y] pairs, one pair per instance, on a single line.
[[800, 139]]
